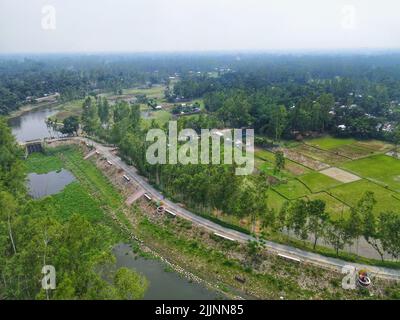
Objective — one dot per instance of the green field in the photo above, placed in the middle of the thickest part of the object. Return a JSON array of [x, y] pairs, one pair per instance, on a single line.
[[382, 169], [67, 109], [40, 164], [319, 154], [317, 182], [351, 193], [329, 143], [292, 190], [334, 207], [350, 148], [156, 92], [275, 200], [364, 158], [291, 168]]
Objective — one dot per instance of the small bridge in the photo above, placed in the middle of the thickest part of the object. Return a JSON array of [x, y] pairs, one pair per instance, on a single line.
[[32, 146]]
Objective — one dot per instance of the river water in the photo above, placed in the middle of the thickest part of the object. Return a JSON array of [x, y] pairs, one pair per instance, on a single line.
[[31, 125], [163, 285]]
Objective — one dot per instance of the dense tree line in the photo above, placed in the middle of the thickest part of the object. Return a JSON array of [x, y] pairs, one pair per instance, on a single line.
[[338, 95]]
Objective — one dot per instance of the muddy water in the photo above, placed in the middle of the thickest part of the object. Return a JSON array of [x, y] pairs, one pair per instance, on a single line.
[[163, 284], [41, 185]]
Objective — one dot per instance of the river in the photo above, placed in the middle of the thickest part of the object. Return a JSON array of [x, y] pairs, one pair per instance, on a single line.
[[163, 284], [31, 125]]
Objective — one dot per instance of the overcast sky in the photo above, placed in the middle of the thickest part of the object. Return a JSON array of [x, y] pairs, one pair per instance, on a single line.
[[196, 25]]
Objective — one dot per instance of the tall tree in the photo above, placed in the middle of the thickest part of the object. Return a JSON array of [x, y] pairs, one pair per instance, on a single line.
[[317, 219], [389, 226], [70, 125], [90, 116], [297, 219], [370, 230], [103, 110], [279, 162], [336, 234], [278, 120]]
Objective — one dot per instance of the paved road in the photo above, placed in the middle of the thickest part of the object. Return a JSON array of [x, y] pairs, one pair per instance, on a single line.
[[302, 255]]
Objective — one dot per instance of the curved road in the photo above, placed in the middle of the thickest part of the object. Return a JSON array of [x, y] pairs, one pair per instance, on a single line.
[[302, 255]]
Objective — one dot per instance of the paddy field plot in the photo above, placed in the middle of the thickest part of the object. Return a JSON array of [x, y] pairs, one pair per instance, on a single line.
[[319, 154], [334, 207], [350, 148], [329, 143], [291, 168], [375, 145], [340, 175], [317, 182], [382, 169], [292, 190], [275, 200], [353, 151], [351, 193], [306, 161]]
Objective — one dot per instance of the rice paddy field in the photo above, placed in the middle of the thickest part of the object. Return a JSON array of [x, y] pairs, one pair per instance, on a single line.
[[321, 169]]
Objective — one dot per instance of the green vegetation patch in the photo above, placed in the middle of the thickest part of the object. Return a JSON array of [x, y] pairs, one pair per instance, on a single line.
[[74, 199], [88, 174], [293, 189], [329, 143], [353, 151], [317, 182], [375, 145], [153, 92], [351, 193], [67, 109], [268, 168], [319, 154], [40, 163], [275, 200], [382, 169], [334, 207], [291, 168]]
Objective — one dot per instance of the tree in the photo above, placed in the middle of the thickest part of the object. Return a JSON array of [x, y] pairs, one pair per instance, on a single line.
[[396, 136], [336, 234], [130, 285], [354, 225], [279, 162], [389, 226], [297, 219], [278, 120], [370, 230], [281, 220], [104, 110], [70, 125], [317, 219], [90, 116]]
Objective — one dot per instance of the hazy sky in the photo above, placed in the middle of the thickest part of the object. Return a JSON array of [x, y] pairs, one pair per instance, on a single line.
[[196, 25]]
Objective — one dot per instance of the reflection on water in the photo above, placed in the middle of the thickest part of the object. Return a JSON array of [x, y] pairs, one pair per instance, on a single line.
[[40, 185], [163, 285], [32, 125]]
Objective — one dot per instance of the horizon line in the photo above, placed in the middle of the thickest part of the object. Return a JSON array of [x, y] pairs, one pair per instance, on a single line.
[[358, 50]]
